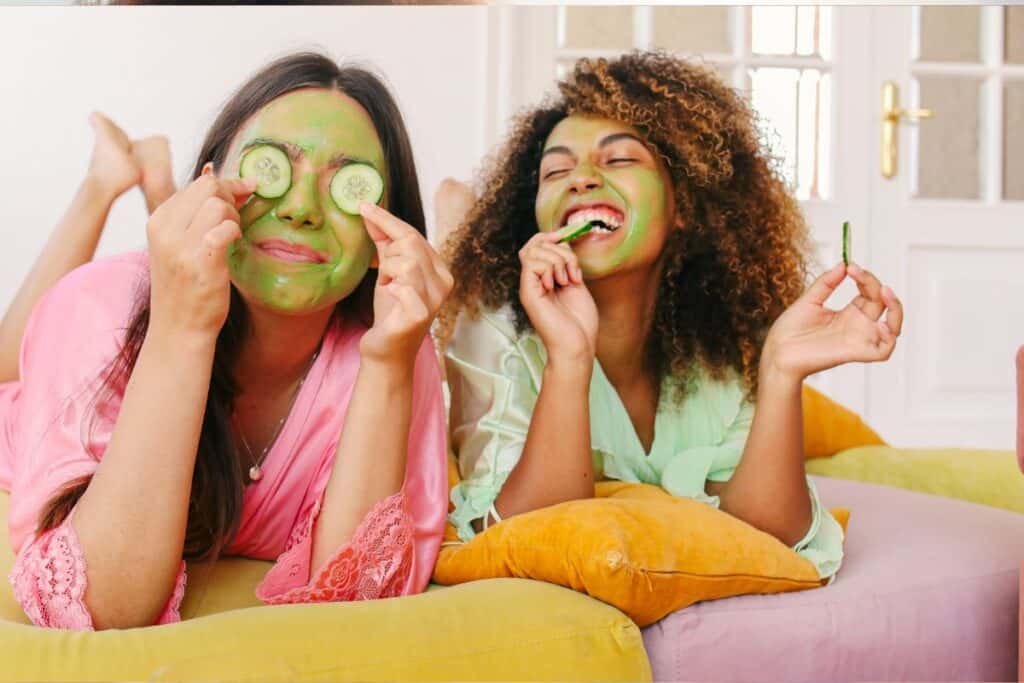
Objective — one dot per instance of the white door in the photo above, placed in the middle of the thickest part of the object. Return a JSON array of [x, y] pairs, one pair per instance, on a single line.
[[948, 225]]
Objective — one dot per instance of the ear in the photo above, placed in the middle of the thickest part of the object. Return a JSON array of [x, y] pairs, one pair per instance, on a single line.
[[207, 168]]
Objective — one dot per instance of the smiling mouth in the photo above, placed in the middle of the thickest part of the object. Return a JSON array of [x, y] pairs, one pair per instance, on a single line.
[[291, 252], [605, 217]]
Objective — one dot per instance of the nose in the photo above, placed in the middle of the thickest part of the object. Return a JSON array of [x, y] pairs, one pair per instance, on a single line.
[[300, 207], [584, 180]]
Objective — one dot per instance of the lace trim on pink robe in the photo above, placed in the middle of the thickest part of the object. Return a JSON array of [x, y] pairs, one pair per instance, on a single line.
[[49, 581], [49, 577], [375, 563]]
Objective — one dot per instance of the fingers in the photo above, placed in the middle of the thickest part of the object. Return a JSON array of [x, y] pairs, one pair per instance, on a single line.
[[215, 243], [551, 262], [212, 213], [822, 288], [233, 191], [543, 265], [894, 316], [567, 269], [870, 300], [416, 312], [405, 270], [386, 222], [405, 254]]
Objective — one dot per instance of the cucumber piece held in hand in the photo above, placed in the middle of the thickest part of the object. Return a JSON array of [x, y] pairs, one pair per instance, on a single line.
[[847, 250], [578, 232], [354, 184], [271, 169]]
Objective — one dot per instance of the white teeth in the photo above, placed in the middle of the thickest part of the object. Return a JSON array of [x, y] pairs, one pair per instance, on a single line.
[[606, 216]]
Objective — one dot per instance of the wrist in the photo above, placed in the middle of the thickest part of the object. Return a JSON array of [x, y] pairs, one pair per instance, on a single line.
[[777, 380], [572, 368], [387, 372], [178, 342]]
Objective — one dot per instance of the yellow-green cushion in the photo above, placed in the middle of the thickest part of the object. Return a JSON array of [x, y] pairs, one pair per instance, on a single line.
[[504, 629], [980, 476]]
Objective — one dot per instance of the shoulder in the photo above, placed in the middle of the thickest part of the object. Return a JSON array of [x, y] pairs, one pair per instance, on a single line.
[[79, 320], [490, 340], [101, 289]]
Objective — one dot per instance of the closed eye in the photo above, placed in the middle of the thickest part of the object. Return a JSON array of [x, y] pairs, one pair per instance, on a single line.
[[555, 172]]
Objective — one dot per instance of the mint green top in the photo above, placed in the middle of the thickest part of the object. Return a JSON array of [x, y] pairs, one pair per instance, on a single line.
[[495, 375]]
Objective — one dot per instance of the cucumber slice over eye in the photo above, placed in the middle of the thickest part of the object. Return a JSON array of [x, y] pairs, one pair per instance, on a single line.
[[354, 184], [847, 250], [271, 169], [578, 232]]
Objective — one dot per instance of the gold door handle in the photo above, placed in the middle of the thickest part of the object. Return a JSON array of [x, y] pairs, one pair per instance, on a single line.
[[891, 115]]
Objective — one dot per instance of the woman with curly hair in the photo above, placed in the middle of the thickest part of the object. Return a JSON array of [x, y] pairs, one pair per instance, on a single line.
[[667, 345]]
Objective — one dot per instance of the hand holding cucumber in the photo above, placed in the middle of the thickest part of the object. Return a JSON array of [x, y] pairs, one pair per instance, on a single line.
[[553, 293], [189, 235], [412, 284], [809, 337]]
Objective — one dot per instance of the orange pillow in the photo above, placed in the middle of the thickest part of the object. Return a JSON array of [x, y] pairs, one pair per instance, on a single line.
[[635, 547], [830, 428]]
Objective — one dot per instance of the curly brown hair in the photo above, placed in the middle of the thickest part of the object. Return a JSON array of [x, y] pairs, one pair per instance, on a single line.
[[740, 258]]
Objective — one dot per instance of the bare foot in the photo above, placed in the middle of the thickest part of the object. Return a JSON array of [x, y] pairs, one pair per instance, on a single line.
[[452, 202], [153, 156], [112, 165]]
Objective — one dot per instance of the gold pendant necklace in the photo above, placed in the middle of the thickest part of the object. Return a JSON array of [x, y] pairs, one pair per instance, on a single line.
[[256, 469]]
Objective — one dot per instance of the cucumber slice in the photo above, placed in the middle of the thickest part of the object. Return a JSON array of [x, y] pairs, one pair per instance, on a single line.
[[271, 169], [354, 184], [847, 250], [578, 232]]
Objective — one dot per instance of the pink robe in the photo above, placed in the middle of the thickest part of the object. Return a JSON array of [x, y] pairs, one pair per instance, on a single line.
[[45, 442]]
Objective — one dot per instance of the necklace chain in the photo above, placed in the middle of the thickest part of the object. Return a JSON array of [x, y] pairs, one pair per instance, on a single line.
[[256, 469]]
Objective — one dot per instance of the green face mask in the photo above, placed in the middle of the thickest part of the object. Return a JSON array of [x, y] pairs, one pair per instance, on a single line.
[[299, 252], [602, 168]]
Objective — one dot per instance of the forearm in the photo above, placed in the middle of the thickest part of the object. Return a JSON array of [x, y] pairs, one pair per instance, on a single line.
[[72, 243], [556, 464], [768, 490], [369, 463], [131, 520]]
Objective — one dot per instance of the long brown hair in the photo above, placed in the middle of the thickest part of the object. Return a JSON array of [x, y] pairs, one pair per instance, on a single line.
[[217, 483], [737, 263]]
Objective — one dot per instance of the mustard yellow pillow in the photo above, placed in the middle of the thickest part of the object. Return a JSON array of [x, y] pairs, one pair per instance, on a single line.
[[980, 476], [830, 428], [634, 547]]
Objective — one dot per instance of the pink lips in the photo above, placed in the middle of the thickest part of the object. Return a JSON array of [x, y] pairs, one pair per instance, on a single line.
[[284, 250]]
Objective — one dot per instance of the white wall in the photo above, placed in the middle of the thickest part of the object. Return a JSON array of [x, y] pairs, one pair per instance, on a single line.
[[168, 69]]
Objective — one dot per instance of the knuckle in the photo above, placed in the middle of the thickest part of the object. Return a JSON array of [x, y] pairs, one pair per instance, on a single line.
[[207, 184]]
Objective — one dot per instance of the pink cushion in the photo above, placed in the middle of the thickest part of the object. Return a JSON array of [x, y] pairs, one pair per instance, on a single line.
[[928, 591], [1020, 407]]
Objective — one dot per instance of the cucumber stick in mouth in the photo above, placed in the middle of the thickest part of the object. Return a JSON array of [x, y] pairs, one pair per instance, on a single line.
[[847, 250], [270, 167], [354, 184], [578, 232]]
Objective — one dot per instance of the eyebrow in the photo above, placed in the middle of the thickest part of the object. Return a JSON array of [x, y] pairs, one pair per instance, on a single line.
[[605, 141], [615, 137], [294, 152]]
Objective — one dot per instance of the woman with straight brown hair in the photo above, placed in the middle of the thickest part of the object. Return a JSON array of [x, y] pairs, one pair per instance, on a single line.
[[260, 382]]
